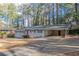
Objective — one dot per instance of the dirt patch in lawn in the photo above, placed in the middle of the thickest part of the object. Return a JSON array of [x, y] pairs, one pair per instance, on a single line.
[[74, 53], [7, 44]]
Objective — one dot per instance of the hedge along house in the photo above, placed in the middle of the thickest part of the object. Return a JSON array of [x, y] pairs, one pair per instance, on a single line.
[[44, 31]]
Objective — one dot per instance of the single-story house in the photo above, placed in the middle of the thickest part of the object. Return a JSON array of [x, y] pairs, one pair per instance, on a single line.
[[42, 31]]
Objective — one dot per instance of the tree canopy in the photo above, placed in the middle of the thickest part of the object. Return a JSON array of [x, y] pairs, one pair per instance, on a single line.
[[40, 14]]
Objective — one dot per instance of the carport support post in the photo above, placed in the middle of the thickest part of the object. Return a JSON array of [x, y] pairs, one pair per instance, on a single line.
[[66, 33], [27, 33], [43, 33]]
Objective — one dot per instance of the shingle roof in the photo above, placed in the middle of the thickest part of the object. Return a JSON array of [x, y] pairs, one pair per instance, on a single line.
[[50, 27]]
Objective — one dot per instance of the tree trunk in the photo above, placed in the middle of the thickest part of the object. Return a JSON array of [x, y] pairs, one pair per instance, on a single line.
[[28, 20], [53, 13], [64, 14], [17, 23], [49, 14], [57, 13], [37, 17], [61, 20], [76, 11], [23, 20], [12, 23]]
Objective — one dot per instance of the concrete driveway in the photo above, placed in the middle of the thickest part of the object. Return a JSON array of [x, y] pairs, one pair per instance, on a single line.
[[49, 47]]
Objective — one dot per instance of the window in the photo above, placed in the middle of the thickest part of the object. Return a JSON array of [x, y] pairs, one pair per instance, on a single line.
[[39, 31]]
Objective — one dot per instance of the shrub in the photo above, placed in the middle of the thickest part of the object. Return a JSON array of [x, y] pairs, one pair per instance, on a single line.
[[3, 34], [25, 36], [10, 35]]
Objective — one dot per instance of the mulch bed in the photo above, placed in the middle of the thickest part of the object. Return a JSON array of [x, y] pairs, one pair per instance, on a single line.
[[71, 37], [74, 53]]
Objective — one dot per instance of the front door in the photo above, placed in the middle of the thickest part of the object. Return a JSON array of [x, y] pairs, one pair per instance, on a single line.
[[59, 33]]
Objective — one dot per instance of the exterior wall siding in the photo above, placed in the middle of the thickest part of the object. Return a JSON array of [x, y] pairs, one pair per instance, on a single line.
[[41, 33]]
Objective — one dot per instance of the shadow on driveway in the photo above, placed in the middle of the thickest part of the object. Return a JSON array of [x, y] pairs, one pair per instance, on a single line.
[[2, 54]]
